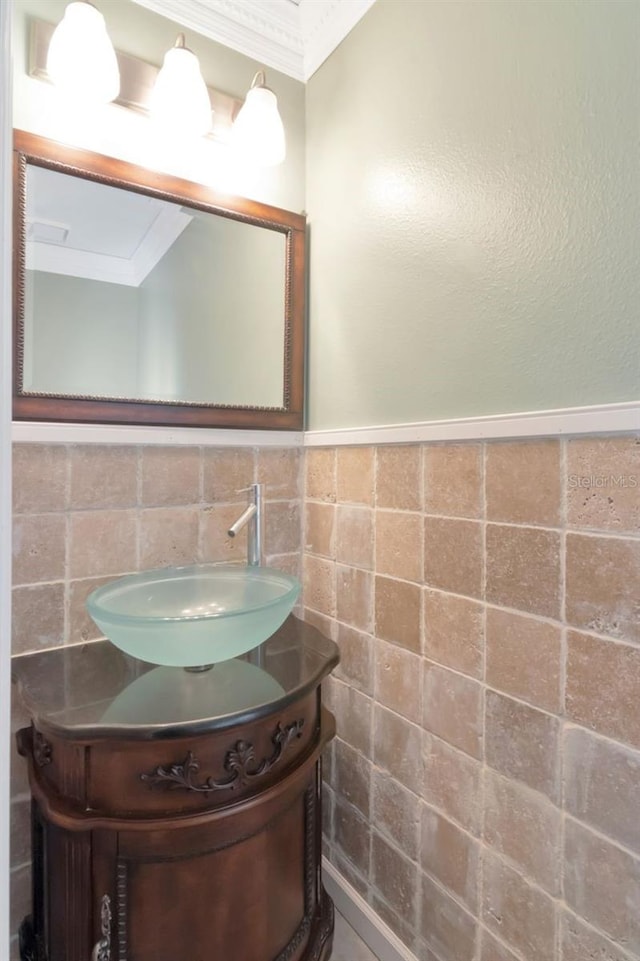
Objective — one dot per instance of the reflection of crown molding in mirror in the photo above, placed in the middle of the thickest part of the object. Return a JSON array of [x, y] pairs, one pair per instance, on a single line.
[[284, 344], [137, 79]]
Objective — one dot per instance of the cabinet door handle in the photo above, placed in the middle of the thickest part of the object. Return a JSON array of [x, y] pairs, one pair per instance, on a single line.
[[102, 948]]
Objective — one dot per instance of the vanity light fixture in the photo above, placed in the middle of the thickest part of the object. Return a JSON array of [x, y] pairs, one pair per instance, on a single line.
[[258, 132], [81, 59], [180, 99]]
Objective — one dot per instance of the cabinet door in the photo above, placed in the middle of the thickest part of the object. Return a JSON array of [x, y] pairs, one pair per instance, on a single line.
[[243, 888]]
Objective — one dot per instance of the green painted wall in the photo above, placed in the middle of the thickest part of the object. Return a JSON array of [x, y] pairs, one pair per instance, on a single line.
[[473, 188]]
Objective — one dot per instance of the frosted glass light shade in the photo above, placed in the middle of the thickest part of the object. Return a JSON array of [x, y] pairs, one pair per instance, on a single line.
[[258, 132], [180, 100], [81, 60]]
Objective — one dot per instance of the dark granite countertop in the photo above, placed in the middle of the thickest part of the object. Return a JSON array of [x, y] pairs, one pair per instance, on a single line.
[[94, 690]]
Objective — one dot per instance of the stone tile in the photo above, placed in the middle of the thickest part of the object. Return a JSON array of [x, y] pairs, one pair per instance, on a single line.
[[603, 585], [40, 478], [20, 718], [525, 828], [450, 856], [39, 545], [399, 539], [319, 585], [396, 748], [279, 469], [398, 477], [453, 555], [353, 876], [395, 877], [517, 912], [320, 473], [454, 632], [602, 883], [452, 782], [602, 785], [453, 479], [397, 612], [352, 777], [400, 927], [354, 597], [452, 708], [396, 813], [603, 681], [170, 476], [493, 950], [522, 743], [226, 472], [524, 658], [356, 665], [37, 617], [355, 475], [354, 539], [215, 543], [399, 680], [579, 942], [603, 483], [445, 925], [168, 537], [20, 843], [103, 477], [282, 527], [320, 528], [353, 717], [81, 626], [352, 835], [102, 542], [326, 625], [523, 482], [523, 569]]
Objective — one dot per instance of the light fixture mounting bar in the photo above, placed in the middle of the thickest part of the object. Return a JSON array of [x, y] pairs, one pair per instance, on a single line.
[[137, 79]]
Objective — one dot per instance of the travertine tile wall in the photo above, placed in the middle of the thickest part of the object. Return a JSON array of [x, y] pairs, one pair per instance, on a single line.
[[84, 514], [484, 788]]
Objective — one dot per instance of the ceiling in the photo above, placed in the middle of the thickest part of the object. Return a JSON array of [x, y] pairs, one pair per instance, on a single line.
[[292, 36]]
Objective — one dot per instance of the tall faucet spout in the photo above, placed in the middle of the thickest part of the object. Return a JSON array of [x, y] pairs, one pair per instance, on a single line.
[[242, 520], [252, 517]]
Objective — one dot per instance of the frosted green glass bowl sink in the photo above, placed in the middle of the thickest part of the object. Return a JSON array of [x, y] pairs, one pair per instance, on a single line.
[[192, 616]]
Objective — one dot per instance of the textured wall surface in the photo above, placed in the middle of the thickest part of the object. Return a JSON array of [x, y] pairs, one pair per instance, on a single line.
[[484, 785], [86, 514], [474, 206]]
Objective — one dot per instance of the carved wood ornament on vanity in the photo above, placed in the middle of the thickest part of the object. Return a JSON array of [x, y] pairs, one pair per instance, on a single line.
[[163, 867], [236, 762]]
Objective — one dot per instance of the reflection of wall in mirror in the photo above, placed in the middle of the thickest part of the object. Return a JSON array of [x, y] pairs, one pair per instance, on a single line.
[[81, 336], [212, 318]]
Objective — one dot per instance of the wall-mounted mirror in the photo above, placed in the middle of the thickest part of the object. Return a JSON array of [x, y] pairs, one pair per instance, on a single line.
[[141, 298]]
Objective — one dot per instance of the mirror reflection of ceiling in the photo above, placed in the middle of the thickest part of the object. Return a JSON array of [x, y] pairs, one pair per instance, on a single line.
[[131, 297], [85, 229]]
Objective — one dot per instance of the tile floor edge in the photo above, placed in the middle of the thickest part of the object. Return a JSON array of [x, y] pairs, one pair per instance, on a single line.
[[377, 935]]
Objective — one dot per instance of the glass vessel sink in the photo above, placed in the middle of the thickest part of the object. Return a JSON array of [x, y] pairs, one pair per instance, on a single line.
[[193, 616]]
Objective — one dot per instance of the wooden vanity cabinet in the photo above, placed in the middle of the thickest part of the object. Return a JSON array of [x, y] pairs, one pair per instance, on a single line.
[[204, 847]]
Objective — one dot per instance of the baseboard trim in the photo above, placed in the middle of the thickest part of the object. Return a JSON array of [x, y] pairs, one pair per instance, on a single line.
[[377, 935], [571, 421]]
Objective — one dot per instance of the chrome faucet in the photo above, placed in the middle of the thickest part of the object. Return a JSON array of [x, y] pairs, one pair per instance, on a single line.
[[253, 516]]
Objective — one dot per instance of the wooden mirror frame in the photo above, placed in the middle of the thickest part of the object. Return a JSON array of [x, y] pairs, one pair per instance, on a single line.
[[32, 149]]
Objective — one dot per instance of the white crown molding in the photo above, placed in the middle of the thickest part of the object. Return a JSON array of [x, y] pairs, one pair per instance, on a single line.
[[292, 37], [571, 421], [325, 24], [265, 30]]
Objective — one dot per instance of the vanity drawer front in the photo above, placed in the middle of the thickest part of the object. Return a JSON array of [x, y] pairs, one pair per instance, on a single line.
[[154, 778]]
